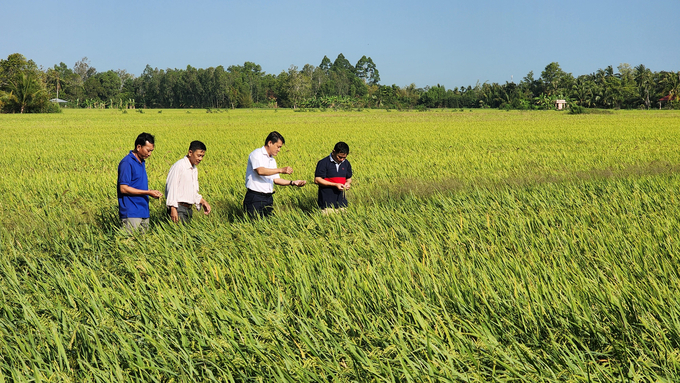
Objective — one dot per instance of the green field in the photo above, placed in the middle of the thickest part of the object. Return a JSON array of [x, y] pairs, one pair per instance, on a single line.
[[479, 246]]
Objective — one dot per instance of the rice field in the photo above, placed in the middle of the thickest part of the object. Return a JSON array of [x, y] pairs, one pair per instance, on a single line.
[[478, 246]]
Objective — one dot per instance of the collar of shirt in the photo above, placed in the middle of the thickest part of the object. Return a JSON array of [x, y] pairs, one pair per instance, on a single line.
[[188, 163], [337, 164], [132, 153], [264, 152]]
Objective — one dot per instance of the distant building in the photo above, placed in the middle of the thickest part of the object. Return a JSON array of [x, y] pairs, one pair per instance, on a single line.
[[666, 99], [560, 104]]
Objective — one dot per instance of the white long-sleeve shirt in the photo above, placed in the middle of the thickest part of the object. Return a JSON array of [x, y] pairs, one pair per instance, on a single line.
[[182, 184]]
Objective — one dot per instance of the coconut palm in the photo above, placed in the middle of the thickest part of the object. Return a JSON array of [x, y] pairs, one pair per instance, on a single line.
[[4, 98], [26, 93], [55, 79], [582, 91], [671, 85], [645, 80]]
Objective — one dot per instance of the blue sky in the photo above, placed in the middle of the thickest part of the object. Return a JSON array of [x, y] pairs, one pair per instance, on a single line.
[[452, 43]]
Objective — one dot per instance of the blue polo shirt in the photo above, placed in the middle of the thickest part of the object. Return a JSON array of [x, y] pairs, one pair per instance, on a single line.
[[327, 169], [132, 173]]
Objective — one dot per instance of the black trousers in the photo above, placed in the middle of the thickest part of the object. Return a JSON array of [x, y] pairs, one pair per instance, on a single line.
[[330, 197], [258, 204]]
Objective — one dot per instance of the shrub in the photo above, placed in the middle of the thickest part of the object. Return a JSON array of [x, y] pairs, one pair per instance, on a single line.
[[50, 107], [577, 109]]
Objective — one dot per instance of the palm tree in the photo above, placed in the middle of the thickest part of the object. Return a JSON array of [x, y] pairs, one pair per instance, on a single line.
[[582, 91], [4, 98], [606, 89], [671, 87], [645, 80], [26, 92], [54, 77]]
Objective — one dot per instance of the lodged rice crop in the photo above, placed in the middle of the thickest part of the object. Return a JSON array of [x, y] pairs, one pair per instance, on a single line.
[[478, 246]]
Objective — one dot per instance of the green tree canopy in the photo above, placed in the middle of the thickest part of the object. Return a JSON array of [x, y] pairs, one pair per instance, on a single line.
[[366, 70]]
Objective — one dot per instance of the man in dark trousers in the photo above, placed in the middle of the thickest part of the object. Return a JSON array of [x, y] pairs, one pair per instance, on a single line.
[[261, 175], [334, 176]]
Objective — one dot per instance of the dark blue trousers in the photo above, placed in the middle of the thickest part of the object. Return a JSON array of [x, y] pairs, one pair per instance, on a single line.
[[258, 204]]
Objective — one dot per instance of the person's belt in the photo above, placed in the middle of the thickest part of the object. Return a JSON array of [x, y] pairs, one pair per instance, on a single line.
[[260, 193], [187, 205]]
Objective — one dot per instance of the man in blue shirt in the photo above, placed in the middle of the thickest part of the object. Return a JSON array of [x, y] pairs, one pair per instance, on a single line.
[[133, 186], [334, 175]]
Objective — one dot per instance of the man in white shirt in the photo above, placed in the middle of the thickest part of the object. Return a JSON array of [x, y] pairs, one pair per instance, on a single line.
[[262, 174], [181, 186]]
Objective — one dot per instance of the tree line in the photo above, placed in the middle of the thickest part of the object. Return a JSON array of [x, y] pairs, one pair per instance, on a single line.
[[24, 87]]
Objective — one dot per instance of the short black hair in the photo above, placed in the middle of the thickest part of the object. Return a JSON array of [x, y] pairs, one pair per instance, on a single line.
[[143, 138], [274, 137], [341, 147], [196, 145]]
